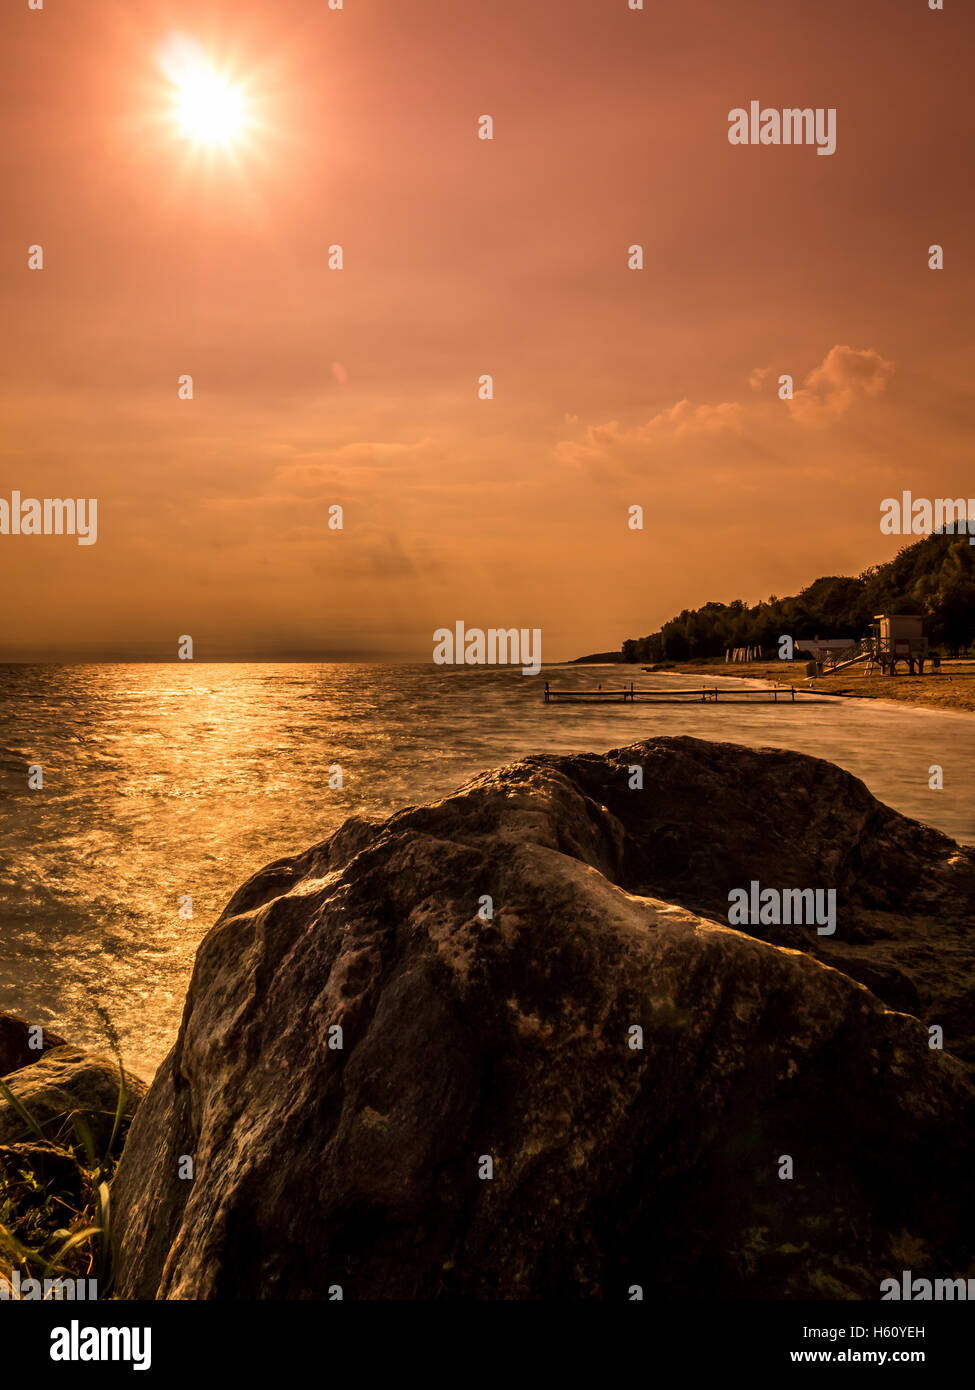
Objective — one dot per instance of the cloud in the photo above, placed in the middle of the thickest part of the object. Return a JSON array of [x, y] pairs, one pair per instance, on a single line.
[[676, 422], [845, 376], [381, 450], [756, 432]]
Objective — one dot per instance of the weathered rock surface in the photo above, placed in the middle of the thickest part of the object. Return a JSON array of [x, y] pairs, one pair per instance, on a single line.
[[510, 1038], [16, 1036], [64, 1080]]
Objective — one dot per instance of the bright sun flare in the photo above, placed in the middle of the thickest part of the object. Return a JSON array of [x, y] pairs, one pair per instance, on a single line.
[[207, 107]]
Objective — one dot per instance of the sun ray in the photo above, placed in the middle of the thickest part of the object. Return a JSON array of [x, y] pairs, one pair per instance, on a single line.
[[208, 107]]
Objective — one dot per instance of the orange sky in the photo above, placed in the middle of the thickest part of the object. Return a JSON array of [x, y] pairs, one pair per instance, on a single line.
[[464, 257]]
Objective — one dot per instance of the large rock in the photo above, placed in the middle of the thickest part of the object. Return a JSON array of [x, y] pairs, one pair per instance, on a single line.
[[715, 816], [511, 1039]]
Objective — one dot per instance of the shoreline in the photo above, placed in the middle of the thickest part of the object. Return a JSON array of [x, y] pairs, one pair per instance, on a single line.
[[952, 690]]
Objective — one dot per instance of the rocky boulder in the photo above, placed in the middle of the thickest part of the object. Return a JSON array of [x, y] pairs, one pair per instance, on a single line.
[[508, 1047], [22, 1043], [66, 1081], [715, 816]]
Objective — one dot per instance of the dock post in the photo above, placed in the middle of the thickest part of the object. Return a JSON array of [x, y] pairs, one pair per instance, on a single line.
[[793, 694], [546, 692]]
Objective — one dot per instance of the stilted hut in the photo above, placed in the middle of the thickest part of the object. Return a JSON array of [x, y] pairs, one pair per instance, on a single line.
[[898, 637]]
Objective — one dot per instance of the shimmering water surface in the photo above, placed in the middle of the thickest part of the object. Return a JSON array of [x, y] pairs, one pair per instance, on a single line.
[[185, 779]]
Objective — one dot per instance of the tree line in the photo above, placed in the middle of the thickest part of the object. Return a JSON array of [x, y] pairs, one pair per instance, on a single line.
[[934, 577]]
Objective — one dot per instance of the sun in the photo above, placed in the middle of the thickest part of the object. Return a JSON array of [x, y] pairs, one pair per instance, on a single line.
[[207, 106]]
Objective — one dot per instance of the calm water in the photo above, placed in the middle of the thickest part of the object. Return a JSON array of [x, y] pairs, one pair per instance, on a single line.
[[174, 779]]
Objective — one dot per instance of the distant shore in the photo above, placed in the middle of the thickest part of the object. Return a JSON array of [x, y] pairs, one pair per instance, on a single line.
[[952, 687]]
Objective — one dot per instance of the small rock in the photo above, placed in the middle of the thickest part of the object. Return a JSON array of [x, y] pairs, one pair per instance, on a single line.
[[65, 1080], [15, 1037]]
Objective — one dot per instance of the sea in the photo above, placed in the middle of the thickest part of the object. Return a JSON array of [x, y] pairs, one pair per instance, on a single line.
[[174, 782]]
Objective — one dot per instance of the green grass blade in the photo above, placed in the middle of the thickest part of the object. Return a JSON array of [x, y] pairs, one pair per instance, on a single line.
[[22, 1111]]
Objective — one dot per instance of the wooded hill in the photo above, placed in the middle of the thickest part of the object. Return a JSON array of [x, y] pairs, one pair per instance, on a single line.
[[934, 577]]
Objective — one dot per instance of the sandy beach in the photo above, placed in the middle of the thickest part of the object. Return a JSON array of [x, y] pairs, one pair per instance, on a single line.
[[950, 688]]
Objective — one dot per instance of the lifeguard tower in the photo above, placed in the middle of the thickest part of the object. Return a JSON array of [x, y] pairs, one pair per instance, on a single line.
[[898, 637], [893, 637]]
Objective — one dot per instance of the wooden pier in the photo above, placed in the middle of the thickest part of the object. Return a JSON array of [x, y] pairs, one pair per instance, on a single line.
[[705, 695]]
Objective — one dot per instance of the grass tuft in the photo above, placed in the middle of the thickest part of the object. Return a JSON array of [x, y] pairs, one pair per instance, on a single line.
[[55, 1206]]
